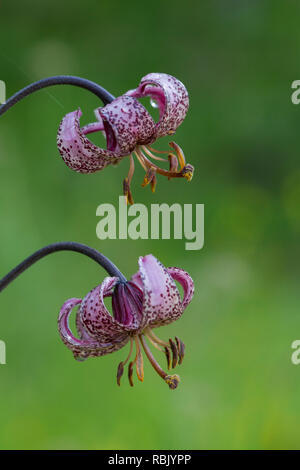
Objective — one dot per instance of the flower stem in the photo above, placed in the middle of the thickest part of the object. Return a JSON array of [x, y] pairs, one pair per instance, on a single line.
[[62, 246], [103, 94]]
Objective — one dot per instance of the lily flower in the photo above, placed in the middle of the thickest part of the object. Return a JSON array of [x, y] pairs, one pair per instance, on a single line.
[[130, 130], [149, 300]]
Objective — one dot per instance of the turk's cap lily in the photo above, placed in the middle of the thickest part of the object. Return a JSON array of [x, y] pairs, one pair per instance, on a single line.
[[129, 128], [149, 300]]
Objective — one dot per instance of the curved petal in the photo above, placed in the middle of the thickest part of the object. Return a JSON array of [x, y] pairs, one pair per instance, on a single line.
[[85, 346], [77, 151], [126, 123], [186, 282], [136, 278], [96, 318], [83, 334], [171, 96], [161, 303]]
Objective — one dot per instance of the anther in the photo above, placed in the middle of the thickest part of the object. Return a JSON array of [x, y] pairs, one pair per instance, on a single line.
[[173, 163], [168, 356], [130, 373], [127, 192], [179, 153], [149, 176], [174, 353], [187, 172], [120, 373], [181, 349]]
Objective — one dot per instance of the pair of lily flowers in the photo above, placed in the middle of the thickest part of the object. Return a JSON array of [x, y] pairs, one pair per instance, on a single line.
[[150, 299]]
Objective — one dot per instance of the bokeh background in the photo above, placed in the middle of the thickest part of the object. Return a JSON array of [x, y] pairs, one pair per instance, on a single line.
[[239, 389]]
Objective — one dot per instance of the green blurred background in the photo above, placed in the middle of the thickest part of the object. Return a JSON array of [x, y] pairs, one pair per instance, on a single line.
[[239, 388]]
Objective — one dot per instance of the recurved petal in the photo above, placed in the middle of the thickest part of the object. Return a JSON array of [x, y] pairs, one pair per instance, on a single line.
[[136, 278], [86, 346], [186, 282], [126, 123], [77, 151], [172, 99], [161, 303], [97, 320]]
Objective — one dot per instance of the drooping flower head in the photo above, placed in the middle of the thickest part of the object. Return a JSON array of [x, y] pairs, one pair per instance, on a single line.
[[149, 300], [130, 129]]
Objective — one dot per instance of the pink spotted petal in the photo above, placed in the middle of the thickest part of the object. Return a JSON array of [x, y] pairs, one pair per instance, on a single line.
[[186, 282], [85, 346], [77, 151], [172, 99], [97, 320], [136, 278], [126, 123], [161, 303]]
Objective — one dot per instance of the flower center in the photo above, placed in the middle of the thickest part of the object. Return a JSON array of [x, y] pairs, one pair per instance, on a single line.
[[173, 350], [145, 154]]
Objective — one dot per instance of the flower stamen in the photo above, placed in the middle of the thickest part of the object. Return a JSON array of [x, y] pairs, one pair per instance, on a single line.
[[168, 356], [173, 163], [150, 177], [130, 373], [127, 181], [153, 342], [155, 157], [181, 349], [140, 159], [120, 370], [157, 151], [171, 380], [155, 338], [174, 353], [186, 172], [139, 361], [179, 153]]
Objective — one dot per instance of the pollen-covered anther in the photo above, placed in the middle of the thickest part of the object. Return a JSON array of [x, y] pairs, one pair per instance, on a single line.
[[150, 178], [187, 172], [172, 381]]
